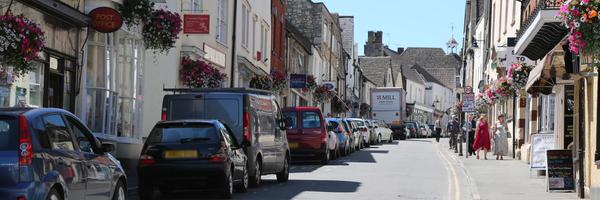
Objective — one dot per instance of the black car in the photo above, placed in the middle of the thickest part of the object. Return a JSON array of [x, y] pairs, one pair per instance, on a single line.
[[254, 117], [192, 154], [47, 153]]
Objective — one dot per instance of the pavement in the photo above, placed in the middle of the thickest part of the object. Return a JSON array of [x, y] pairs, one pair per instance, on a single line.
[[410, 169]]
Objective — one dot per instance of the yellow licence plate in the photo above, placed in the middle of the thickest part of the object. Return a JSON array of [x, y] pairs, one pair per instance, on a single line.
[[180, 154], [293, 145]]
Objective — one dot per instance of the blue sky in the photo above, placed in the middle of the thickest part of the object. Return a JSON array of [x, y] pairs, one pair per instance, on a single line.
[[405, 23]]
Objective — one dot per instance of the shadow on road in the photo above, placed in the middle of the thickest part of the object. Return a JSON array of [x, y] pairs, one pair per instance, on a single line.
[[418, 140]]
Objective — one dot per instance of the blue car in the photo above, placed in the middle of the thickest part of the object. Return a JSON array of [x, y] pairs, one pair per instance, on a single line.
[[344, 136], [48, 153]]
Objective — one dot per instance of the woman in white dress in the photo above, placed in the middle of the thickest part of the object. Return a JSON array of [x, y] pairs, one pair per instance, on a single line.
[[500, 136]]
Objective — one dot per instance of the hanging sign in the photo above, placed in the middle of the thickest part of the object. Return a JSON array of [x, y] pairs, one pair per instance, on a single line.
[[196, 24], [297, 80], [106, 20]]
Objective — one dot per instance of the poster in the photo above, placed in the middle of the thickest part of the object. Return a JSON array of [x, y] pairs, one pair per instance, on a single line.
[[540, 143], [469, 103]]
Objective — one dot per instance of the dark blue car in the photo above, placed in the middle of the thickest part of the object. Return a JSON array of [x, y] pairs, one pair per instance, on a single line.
[[344, 136], [48, 153]]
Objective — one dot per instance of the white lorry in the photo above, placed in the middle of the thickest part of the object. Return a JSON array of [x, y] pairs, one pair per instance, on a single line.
[[389, 105]]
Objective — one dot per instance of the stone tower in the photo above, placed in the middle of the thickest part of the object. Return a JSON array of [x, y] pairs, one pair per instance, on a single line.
[[374, 45]]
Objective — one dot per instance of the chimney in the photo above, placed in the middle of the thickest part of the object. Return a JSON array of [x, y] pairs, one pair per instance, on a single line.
[[400, 50]]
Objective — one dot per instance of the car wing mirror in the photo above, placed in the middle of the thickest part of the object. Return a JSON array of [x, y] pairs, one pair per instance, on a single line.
[[107, 147]]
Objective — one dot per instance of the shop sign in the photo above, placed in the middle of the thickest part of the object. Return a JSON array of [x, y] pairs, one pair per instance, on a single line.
[[469, 103], [539, 145], [196, 24], [559, 172], [511, 58], [329, 85], [297, 80], [106, 20]]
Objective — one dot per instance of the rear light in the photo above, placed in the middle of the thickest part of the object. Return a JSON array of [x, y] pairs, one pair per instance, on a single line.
[[147, 160], [21, 198], [217, 158], [163, 115], [247, 128], [25, 149]]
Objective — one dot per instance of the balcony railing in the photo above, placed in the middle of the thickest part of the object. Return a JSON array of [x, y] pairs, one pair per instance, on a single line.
[[541, 5]]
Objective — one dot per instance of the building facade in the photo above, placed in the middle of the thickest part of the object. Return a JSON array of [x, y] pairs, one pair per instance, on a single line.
[[253, 41]]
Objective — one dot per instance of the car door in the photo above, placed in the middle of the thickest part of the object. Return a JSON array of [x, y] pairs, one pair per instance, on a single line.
[[236, 153], [98, 166], [57, 144]]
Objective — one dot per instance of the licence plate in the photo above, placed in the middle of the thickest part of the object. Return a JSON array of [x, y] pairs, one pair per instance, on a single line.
[[181, 154], [293, 145]]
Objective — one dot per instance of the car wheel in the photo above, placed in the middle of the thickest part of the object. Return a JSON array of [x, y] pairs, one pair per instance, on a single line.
[[243, 187], [379, 139], [228, 185], [284, 175], [255, 180], [54, 195], [325, 157], [120, 192], [391, 139]]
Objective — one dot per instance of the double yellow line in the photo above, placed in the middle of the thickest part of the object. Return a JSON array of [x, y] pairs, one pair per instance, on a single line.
[[451, 179]]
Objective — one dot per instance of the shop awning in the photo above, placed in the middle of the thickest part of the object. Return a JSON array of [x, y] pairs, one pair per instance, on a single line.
[[535, 74], [541, 34], [60, 11]]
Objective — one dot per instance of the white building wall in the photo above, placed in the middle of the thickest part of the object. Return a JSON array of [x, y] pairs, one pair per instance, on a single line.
[[252, 17]]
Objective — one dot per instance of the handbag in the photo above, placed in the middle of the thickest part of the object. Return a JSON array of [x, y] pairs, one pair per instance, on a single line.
[[508, 135]]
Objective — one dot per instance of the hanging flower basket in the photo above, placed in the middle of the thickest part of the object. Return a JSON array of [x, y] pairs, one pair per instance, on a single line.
[[322, 94], [263, 82], [21, 40], [503, 89], [518, 73], [581, 18], [311, 83], [162, 30], [136, 12], [481, 104], [279, 80], [199, 74]]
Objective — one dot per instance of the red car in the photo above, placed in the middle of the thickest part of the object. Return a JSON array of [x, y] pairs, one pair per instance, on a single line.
[[307, 136]]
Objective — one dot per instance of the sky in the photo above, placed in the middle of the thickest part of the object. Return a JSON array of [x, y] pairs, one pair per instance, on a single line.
[[405, 23]]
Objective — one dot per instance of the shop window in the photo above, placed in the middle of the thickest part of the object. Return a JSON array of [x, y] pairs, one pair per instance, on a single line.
[[36, 87], [114, 83]]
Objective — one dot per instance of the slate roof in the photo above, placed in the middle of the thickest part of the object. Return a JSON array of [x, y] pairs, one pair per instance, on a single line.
[[375, 68], [301, 38], [410, 73], [428, 58], [427, 76]]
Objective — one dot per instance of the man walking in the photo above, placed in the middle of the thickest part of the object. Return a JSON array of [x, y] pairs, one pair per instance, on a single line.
[[438, 129]]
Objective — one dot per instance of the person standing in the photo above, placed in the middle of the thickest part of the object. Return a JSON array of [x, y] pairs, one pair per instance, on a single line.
[[438, 129], [482, 137], [471, 133], [454, 131], [500, 138]]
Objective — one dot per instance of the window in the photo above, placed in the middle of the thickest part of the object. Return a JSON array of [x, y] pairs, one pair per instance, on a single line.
[[36, 86], [514, 12], [191, 5], [311, 119], [184, 133], [56, 134], [222, 22], [293, 116], [500, 19], [8, 133], [226, 136], [113, 83], [254, 21], [83, 140], [245, 29], [506, 15]]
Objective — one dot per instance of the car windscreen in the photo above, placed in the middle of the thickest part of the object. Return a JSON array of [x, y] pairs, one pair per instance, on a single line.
[[311, 119], [184, 133], [224, 109], [359, 123], [410, 125], [8, 133], [293, 115]]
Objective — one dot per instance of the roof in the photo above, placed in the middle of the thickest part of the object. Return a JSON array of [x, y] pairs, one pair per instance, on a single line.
[[375, 68], [429, 58], [411, 74], [301, 38], [206, 121], [426, 75]]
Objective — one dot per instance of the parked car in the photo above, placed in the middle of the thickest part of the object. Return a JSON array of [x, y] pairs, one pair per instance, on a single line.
[[46, 153], [373, 138], [414, 129], [253, 116], [308, 137], [425, 131], [382, 131], [192, 154], [337, 125], [364, 131], [353, 133]]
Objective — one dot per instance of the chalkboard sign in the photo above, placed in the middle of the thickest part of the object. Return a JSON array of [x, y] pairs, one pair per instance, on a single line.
[[540, 143], [559, 172]]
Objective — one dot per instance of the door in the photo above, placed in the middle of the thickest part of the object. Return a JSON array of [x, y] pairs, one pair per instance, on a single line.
[[239, 160], [58, 145], [54, 90], [98, 167]]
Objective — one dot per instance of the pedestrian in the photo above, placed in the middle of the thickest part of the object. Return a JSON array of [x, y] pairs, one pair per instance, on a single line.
[[471, 133], [438, 129], [482, 137], [500, 137], [454, 131]]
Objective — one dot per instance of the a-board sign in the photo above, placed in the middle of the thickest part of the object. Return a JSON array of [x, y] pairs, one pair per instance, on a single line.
[[559, 171], [539, 144]]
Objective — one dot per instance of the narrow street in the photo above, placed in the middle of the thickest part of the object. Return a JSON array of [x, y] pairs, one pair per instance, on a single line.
[[409, 169]]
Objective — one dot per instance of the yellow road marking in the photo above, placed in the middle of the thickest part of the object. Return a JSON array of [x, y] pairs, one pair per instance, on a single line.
[[457, 195]]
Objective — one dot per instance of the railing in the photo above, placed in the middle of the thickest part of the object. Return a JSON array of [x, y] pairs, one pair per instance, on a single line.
[[541, 5]]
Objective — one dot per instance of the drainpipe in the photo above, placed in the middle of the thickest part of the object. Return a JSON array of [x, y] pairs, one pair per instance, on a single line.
[[233, 44]]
